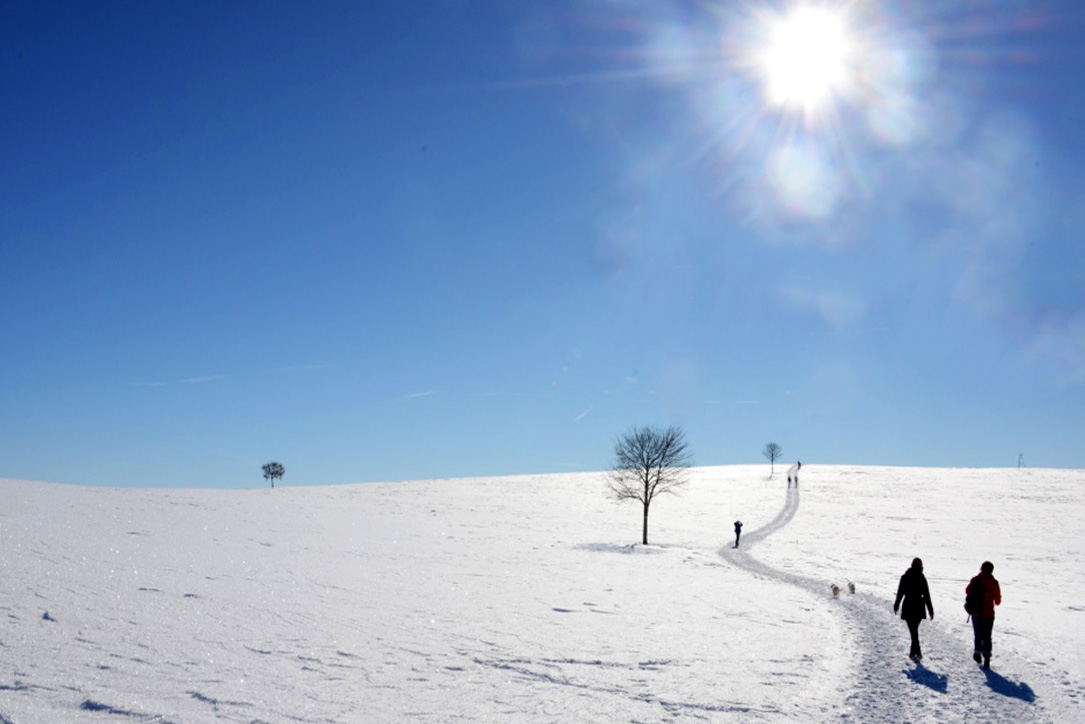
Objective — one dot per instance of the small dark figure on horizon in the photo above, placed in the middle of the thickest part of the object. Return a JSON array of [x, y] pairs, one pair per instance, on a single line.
[[793, 474], [738, 531], [986, 587], [916, 593]]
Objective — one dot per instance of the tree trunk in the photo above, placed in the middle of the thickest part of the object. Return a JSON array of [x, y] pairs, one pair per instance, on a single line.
[[644, 536]]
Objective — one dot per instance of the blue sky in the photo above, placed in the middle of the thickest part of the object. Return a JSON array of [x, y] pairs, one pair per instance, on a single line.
[[406, 240]]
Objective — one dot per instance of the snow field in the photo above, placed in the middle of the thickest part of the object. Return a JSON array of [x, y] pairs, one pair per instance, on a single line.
[[526, 599]]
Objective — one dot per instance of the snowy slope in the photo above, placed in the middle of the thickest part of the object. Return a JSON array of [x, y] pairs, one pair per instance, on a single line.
[[524, 599]]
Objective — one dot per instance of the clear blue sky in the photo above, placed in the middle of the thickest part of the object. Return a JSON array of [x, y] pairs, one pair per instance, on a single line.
[[405, 240]]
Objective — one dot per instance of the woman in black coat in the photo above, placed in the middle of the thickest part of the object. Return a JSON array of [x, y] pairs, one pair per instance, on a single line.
[[917, 602]]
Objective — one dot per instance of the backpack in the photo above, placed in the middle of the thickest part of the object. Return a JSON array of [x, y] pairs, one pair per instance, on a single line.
[[973, 602]]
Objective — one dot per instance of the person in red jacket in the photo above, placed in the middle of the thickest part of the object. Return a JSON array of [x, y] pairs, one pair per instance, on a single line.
[[984, 622]]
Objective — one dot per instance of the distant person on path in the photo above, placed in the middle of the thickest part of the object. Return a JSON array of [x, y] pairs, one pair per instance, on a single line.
[[985, 587], [738, 531], [793, 474], [917, 602]]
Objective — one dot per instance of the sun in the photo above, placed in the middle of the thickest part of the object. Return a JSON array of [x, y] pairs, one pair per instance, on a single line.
[[806, 60]]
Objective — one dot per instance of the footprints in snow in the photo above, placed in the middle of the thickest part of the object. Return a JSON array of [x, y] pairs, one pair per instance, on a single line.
[[591, 608]]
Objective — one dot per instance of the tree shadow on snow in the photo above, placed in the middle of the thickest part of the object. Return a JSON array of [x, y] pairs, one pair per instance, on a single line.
[[922, 675], [1014, 689], [616, 548]]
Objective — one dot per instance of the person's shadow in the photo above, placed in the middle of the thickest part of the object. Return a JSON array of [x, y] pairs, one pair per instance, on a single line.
[[1014, 689], [922, 675]]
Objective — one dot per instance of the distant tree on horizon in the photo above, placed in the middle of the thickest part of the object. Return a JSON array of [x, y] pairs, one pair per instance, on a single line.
[[773, 452], [649, 461], [272, 471]]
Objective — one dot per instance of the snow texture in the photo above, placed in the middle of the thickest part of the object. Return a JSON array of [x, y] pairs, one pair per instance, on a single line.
[[523, 599]]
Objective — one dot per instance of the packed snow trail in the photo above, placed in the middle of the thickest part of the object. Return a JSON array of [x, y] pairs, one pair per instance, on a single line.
[[946, 687]]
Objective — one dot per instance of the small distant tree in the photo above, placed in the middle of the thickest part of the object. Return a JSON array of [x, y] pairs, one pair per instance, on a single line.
[[649, 461], [773, 452], [272, 471]]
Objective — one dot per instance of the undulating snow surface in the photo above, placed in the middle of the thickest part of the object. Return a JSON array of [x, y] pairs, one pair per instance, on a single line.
[[527, 599]]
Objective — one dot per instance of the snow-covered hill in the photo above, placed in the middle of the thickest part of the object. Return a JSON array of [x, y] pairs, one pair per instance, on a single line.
[[525, 599]]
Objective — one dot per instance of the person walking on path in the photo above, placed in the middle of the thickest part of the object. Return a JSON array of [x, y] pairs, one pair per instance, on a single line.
[[985, 589], [738, 531], [793, 474], [916, 594]]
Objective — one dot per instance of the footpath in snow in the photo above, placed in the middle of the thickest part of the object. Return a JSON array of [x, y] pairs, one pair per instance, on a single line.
[[946, 687]]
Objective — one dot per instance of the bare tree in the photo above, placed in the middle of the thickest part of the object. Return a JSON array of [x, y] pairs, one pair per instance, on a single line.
[[773, 452], [272, 471], [649, 461]]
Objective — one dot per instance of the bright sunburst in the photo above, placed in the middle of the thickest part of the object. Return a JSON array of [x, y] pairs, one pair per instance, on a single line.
[[806, 61]]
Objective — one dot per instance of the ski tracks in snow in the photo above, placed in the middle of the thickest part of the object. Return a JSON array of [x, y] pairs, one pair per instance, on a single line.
[[884, 685]]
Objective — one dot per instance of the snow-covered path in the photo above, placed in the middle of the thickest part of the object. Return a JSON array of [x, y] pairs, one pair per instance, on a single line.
[[885, 685]]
